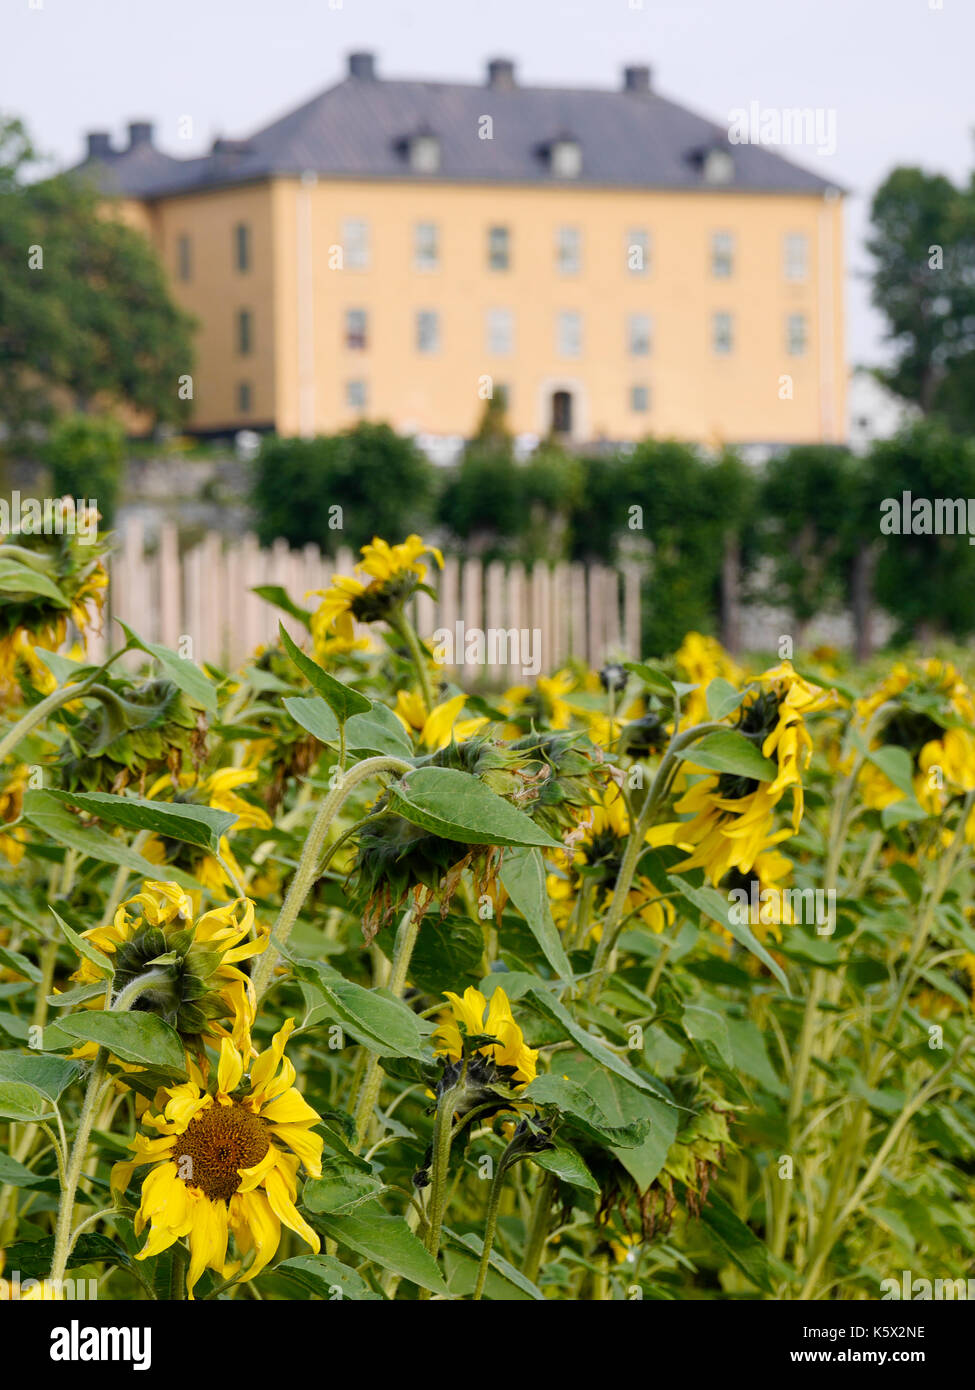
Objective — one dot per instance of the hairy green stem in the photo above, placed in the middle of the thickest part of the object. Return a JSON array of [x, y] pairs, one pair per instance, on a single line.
[[307, 869], [490, 1227]]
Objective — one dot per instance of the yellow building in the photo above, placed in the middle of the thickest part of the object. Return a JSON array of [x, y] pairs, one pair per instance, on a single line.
[[398, 250]]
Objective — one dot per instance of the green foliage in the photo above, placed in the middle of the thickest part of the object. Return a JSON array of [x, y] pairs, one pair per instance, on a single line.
[[383, 484], [924, 283], [927, 582], [85, 454], [811, 504], [502, 508], [85, 313]]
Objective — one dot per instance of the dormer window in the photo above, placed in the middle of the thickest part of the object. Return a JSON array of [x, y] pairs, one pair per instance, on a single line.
[[718, 166], [565, 158], [423, 151]]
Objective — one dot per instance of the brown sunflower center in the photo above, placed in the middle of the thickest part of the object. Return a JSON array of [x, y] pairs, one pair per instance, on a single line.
[[216, 1143]]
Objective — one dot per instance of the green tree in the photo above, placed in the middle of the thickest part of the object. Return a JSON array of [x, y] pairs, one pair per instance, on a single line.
[[85, 314], [927, 582], [811, 509], [694, 511], [86, 457], [380, 481], [923, 242]]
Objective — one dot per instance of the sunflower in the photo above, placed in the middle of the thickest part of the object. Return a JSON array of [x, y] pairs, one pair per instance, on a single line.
[[391, 574], [202, 990], [226, 1163], [598, 844], [509, 1058], [701, 660], [219, 792], [33, 617], [732, 817], [542, 705], [931, 713], [11, 804], [436, 729]]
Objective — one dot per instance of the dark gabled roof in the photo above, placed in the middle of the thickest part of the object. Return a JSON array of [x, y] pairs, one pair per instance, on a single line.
[[357, 129]]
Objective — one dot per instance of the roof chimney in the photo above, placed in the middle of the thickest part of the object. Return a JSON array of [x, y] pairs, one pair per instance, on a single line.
[[140, 133], [362, 65], [636, 78], [501, 74], [99, 144]]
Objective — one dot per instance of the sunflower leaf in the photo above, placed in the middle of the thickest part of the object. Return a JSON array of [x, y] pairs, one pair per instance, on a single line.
[[726, 750], [85, 948], [341, 699], [457, 806], [180, 670], [138, 1037], [202, 826]]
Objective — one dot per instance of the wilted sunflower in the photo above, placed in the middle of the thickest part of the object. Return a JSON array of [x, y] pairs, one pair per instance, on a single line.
[[135, 730], [226, 1163], [732, 816], [64, 579], [931, 717], [544, 776], [202, 990], [598, 844], [483, 1047], [393, 574]]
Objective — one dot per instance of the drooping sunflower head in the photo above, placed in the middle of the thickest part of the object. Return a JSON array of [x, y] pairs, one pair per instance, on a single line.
[[733, 813], [387, 576], [484, 1050], [928, 711], [200, 983], [225, 1162], [131, 734], [51, 576]]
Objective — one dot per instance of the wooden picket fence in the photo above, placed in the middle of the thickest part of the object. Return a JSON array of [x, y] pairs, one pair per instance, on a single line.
[[200, 600]]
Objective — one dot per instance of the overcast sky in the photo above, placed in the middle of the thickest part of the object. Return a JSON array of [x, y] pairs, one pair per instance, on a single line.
[[897, 73]]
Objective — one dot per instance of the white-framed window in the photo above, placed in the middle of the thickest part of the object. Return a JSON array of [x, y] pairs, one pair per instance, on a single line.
[[499, 248], [425, 154], [426, 246], [638, 251], [796, 335], [719, 167], [722, 333], [355, 243], [722, 255], [356, 329], [568, 250], [568, 333], [640, 398], [356, 394], [565, 159], [427, 331], [639, 335], [500, 332], [796, 256]]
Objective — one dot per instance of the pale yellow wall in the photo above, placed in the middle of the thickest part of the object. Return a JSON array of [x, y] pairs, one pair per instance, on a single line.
[[693, 393], [215, 292], [299, 366]]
